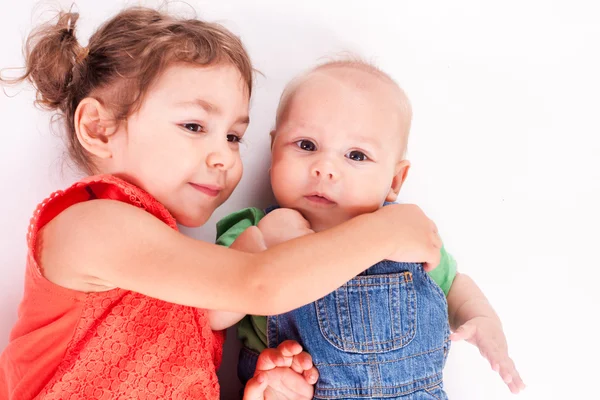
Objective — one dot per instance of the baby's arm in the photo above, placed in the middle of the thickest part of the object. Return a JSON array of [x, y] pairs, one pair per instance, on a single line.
[[473, 319], [250, 241]]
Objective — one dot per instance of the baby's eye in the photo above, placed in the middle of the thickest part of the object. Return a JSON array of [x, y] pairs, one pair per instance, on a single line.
[[231, 138], [306, 145], [356, 155], [195, 128]]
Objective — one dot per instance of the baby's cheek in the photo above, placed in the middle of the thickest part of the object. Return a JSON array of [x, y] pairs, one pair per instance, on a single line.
[[365, 201], [284, 186]]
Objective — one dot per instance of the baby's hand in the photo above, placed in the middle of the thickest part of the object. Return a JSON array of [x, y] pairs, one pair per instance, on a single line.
[[282, 225], [284, 373], [487, 335]]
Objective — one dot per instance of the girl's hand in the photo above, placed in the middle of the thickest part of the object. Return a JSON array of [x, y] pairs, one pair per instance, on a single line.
[[418, 239], [282, 225]]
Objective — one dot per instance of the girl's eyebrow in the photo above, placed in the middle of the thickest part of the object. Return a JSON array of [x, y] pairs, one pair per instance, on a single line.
[[211, 108]]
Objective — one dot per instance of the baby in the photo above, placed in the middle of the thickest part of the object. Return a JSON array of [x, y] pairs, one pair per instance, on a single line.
[[338, 151]]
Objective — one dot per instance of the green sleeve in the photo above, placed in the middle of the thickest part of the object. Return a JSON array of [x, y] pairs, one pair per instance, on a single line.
[[445, 272], [232, 226]]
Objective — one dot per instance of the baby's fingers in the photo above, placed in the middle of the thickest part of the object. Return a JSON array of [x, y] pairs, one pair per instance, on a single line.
[[516, 388], [290, 348], [504, 365], [255, 388], [511, 376], [302, 362], [311, 376], [464, 332], [495, 357], [272, 358]]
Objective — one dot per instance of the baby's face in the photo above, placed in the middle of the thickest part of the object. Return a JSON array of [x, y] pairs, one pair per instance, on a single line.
[[337, 147]]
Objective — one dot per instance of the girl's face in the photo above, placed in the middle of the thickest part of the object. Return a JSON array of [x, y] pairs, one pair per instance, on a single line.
[[182, 145]]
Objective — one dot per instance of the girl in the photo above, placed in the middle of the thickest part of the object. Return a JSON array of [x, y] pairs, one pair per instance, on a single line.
[[115, 297]]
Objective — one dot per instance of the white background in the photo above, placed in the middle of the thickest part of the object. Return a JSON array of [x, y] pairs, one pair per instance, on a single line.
[[504, 149]]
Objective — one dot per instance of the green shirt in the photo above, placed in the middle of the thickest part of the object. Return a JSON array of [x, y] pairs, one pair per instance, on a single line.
[[252, 329]]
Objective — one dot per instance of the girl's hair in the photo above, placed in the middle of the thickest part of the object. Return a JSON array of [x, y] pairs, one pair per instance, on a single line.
[[123, 59]]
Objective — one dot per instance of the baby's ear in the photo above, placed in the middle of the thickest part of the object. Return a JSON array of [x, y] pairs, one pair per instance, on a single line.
[[400, 173], [94, 126]]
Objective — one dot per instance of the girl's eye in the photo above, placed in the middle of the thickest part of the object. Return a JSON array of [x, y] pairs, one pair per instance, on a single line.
[[306, 145], [195, 128], [356, 155], [231, 138]]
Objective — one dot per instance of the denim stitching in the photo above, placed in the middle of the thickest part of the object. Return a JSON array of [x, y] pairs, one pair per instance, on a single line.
[[357, 346], [381, 361], [340, 316], [377, 373], [436, 376], [362, 314], [390, 306], [413, 311], [431, 394], [370, 319], [351, 325]]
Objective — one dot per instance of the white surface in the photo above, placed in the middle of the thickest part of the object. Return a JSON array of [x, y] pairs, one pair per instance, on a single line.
[[503, 146]]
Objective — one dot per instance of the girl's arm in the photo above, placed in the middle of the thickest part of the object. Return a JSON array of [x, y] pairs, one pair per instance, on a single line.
[[250, 241], [107, 244], [283, 224]]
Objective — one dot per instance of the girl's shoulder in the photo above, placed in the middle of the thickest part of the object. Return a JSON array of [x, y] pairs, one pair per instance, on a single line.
[[106, 187], [63, 225]]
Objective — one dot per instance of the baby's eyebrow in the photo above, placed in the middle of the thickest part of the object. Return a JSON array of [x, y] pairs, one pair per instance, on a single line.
[[367, 140], [300, 126]]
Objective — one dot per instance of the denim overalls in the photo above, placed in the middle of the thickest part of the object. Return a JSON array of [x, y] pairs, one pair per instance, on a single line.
[[382, 335]]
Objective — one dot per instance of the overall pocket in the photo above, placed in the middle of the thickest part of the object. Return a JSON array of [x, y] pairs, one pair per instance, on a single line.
[[370, 313]]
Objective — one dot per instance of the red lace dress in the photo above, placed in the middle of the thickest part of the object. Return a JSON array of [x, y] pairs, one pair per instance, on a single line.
[[111, 345]]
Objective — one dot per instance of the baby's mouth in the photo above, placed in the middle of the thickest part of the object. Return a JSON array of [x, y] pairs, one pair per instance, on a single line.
[[319, 198]]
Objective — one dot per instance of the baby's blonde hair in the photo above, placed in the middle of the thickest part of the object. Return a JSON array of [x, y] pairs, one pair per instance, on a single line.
[[356, 63]]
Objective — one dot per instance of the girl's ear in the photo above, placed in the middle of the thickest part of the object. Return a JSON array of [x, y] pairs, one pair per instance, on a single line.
[[94, 126]]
